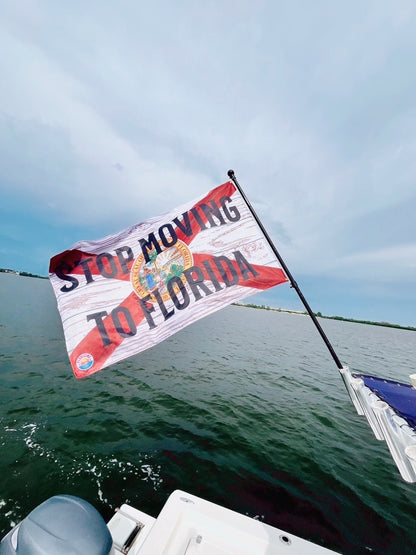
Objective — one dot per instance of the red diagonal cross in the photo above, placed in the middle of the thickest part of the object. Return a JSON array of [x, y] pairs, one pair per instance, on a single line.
[[71, 260]]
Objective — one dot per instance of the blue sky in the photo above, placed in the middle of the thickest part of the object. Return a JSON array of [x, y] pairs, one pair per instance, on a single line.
[[111, 113]]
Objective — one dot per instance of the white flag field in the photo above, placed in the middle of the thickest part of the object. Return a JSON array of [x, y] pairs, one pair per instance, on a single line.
[[125, 293]]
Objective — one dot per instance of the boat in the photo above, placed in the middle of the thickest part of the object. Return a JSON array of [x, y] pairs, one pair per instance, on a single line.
[[186, 525], [390, 409]]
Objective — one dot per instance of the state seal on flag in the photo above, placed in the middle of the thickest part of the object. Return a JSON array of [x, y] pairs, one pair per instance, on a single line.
[[161, 267]]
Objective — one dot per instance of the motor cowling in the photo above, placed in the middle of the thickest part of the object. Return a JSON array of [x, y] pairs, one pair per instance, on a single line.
[[62, 525]]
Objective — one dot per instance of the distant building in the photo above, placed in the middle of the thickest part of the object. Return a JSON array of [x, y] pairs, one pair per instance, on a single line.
[[8, 271]]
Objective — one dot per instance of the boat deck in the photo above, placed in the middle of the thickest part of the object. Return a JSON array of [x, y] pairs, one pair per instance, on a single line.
[[188, 525]]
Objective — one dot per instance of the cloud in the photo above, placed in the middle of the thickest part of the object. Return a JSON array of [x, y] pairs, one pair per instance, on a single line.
[[111, 115], [382, 265]]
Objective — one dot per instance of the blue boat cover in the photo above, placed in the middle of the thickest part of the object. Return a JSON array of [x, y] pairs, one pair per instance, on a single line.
[[400, 396]]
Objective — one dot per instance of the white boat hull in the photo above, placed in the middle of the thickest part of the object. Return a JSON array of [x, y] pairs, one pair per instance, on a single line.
[[189, 525]]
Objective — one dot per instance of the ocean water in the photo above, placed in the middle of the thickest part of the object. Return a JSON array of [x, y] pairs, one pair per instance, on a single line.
[[244, 408]]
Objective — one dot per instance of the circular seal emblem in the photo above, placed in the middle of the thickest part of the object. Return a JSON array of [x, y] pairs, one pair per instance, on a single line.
[[84, 362], [161, 267]]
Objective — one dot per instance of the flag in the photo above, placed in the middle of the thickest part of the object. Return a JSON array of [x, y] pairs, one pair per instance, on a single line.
[[127, 292]]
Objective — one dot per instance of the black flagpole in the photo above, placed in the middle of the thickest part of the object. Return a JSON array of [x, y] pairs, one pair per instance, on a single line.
[[293, 283]]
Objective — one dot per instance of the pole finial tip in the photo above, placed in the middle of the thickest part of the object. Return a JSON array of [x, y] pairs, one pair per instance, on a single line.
[[230, 173]]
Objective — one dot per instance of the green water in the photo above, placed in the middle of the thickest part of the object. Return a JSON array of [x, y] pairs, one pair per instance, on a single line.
[[244, 408]]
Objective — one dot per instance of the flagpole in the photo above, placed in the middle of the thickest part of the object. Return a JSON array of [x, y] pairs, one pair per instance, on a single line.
[[293, 283]]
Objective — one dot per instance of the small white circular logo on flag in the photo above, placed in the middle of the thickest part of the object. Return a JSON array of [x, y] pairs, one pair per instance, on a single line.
[[84, 362]]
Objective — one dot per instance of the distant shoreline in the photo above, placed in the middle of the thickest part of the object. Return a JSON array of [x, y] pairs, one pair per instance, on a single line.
[[320, 315], [24, 274], [261, 307]]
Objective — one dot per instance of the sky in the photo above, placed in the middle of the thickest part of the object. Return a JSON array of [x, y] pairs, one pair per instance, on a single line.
[[114, 112]]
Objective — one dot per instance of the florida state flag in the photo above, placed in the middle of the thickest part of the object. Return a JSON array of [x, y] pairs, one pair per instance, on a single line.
[[127, 292]]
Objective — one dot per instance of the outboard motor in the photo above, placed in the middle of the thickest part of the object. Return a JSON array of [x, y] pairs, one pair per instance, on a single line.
[[62, 525]]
